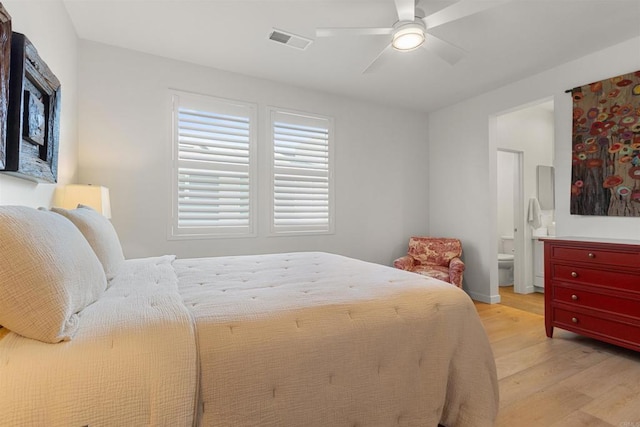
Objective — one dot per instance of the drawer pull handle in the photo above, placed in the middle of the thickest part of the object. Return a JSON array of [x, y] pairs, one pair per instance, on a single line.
[[574, 319], [574, 297], [592, 255], [574, 274]]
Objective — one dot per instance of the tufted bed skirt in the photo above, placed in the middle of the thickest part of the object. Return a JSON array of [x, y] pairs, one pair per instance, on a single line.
[[299, 339]]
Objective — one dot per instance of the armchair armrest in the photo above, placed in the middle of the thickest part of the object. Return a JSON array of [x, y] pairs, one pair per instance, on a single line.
[[456, 270], [404, 263]]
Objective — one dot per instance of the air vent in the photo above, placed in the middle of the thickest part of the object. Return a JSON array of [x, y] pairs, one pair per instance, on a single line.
[[289, 39]]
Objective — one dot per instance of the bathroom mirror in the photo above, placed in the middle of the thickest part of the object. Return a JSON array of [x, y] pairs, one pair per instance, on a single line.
[[545, 187]]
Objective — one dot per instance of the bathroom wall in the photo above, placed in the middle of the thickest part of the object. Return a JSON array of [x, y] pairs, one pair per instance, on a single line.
[[505, 174], [531, 131]]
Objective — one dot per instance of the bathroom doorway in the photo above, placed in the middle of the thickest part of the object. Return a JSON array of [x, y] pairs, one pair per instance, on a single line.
[[524, 140], [510, 219]]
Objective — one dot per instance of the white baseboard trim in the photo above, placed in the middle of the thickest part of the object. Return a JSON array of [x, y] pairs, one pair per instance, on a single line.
[[489, 299]]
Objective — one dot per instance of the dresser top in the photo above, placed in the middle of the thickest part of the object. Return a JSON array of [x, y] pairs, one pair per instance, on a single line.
[[590, 240]]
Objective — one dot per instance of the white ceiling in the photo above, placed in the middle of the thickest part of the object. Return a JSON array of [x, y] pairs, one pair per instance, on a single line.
[[504, 44]]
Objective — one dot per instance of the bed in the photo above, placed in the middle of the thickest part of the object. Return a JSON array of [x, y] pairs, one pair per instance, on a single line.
[[294, 339]]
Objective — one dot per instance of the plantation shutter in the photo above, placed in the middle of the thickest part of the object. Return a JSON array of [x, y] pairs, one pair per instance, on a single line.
[[213, 148], [302, 187]]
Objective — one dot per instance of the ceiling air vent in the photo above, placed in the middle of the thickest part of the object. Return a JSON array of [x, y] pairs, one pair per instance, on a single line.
[[289, 39]]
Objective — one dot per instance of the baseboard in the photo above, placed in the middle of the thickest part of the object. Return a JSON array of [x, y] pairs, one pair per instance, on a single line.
[[489, 299]]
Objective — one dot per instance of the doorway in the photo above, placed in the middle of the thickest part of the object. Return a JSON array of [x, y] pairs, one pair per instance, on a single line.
[[510, 219], [526, 136]]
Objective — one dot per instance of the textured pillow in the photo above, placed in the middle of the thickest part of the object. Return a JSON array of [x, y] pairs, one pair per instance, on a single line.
[[48, 274], [100, 234]]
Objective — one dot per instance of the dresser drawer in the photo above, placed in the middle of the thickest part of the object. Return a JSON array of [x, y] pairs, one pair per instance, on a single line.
[[626, 306], [597, 256], [605, 329], [589, 276]]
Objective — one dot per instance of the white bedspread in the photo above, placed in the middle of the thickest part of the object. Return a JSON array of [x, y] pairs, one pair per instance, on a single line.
[[313, 339], [133, 361]]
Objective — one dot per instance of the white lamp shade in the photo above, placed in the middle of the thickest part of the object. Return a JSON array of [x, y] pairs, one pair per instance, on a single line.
[[94, 196]]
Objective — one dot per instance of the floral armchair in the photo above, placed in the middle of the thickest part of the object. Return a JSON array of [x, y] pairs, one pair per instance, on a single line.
[[435, 257]]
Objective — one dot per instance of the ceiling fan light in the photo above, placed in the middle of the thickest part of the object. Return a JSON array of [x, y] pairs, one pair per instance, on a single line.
[[408, 38]]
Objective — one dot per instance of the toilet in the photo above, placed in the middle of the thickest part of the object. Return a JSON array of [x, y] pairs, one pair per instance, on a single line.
[[505, 261]]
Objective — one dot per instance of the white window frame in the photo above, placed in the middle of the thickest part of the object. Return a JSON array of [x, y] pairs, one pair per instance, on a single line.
[[313, 120], [216, 106]]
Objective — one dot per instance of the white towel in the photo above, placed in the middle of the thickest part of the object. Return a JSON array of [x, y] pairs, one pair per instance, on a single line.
[[533, 215]]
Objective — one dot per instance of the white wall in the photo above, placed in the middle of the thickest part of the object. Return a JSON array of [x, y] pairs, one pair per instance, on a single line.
[[462, 162], [49, 28], [124, 116]]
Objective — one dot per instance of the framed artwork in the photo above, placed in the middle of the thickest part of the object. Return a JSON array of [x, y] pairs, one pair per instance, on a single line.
[[33, 114], [5, 57], [605, 173]]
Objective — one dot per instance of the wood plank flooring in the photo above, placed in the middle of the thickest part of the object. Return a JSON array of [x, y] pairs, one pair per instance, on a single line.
[[533, 303], [565, 381]]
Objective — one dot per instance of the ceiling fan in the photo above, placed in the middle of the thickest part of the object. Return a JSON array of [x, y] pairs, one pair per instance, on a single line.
[[412, 31]]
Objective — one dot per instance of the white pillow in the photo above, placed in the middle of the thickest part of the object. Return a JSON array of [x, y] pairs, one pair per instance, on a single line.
[[100, 234], [48, 274]]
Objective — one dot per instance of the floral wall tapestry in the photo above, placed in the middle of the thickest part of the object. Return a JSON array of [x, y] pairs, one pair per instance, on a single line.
[[605, 175]]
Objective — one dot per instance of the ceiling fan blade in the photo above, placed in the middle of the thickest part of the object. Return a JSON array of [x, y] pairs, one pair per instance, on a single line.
[[329, 32], [406, 9], [459, 10], [377, 61], [445, 50]]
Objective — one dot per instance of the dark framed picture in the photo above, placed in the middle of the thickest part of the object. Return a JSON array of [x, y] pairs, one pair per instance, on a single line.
[[33, 115], [5, 58]]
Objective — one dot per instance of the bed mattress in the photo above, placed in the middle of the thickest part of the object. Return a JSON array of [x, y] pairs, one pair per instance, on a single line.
[[316, 339]]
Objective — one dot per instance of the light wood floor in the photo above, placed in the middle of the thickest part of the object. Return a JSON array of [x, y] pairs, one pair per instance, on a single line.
[[565, 381], [533, 303]]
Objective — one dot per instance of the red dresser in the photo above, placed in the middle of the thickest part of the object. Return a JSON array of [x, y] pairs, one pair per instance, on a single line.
[[592, 287]]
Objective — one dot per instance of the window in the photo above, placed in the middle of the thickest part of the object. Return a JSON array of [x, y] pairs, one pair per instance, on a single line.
[[213, 167], [302, 199]]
